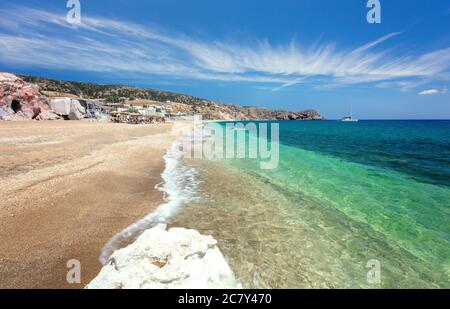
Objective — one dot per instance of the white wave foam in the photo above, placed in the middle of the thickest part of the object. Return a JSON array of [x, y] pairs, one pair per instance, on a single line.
[[179, 187]]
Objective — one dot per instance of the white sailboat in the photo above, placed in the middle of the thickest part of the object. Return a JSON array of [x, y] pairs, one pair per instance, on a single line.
[[350, 118]]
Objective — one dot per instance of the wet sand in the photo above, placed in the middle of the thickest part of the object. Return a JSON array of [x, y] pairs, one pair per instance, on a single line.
[[67, 187]]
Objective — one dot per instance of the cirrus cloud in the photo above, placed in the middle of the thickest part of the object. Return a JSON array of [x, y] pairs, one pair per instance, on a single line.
[[432, 91], [36, 38]]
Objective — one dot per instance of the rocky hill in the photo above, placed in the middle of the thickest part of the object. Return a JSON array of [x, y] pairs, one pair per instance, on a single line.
[[112, 93], [178, 102], [20, 100]]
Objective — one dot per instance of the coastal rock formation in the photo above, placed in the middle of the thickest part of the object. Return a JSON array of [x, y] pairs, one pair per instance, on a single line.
[[68, 108], [177, 258], [218, 111], [309, 114], [20, 100], [174, 102]]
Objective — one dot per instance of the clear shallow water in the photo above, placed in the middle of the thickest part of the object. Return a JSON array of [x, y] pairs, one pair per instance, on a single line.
[[343, 193]]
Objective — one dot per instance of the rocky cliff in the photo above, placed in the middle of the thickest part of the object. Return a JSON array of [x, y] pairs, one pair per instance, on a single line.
[[213, 111], [20, 100]]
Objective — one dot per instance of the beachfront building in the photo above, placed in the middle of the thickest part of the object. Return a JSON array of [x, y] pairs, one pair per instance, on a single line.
[[144, 110], [157, 110], [135, 118], [122, 109]]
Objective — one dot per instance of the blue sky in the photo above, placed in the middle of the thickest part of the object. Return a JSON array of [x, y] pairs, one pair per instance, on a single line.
[[284, 54]]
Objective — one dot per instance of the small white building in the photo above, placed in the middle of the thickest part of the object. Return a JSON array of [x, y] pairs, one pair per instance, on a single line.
[[147, 111]]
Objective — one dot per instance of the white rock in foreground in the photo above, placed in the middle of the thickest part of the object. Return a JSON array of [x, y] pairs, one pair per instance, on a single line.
[[177, 258]]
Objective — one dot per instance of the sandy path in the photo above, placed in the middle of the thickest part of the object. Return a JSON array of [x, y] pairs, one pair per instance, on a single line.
[[66, 188]]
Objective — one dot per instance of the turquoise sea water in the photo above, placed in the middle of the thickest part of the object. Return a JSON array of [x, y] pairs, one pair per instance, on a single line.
[[342, 194]]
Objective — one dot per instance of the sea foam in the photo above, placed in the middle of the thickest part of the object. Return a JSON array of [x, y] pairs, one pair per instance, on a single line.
[[179, 187]]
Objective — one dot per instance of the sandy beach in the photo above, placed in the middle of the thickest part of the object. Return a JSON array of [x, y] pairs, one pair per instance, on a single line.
[[66, 188]]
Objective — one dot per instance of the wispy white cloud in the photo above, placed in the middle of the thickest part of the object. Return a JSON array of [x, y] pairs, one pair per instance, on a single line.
[[433, 91], [36, 38], [429, 91]]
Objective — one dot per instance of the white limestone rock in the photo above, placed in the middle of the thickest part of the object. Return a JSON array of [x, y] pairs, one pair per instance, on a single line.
[[68, 107], [160, 259]]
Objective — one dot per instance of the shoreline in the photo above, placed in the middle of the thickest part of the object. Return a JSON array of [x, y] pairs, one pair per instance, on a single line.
[[75, 186], [178, 186], [167, 258]]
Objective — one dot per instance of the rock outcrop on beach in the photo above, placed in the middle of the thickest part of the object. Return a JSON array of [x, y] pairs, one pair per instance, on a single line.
[[20, 100], [68, 108], [161, 259]]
